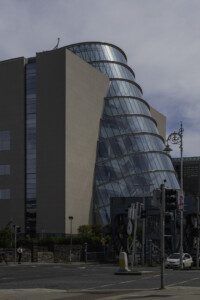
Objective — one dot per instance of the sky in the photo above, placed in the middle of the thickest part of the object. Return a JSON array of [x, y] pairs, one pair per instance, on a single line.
[[161, 39]]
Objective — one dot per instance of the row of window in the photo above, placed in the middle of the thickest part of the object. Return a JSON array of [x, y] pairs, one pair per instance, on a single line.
[[134, 185], [30, 138], [133, 164], [31, 106], [127, 144], [126, 125], [114, 70], [123, 88], [94, 52], [120, 106], [4, 140], [4, 169], [4, 194]]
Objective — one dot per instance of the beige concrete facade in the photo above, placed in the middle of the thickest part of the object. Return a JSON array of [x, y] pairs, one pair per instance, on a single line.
[[70, 100], [86, 88], [70, 97], [12, 112], [161, 121]]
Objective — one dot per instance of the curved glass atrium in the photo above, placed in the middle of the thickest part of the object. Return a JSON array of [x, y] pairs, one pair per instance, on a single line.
[[130, 160]]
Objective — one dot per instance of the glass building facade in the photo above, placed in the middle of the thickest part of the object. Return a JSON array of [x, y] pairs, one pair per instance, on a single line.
[[30, 203], [130, 160]]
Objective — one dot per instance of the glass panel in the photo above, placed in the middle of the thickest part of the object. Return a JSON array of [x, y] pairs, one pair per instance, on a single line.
[[30, 145], [4, 140], [114, 70], [120, 106], [94, 52], [4, 169], [4, 194]]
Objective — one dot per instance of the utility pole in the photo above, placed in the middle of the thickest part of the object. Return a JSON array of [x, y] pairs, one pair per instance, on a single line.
[[162, 235], [143, 234], [177, 138], [16, 230], [182, 197], [174, 238], [134, 233], [15, 241]]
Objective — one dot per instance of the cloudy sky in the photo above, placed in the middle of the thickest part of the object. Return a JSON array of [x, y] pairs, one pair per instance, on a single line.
[[160, 37]]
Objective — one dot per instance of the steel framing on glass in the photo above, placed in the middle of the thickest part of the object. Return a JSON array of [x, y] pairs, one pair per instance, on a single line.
[[130, 160], [30, 204]]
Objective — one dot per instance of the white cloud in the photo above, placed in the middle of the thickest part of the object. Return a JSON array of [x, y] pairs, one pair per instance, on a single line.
[[161, 40]]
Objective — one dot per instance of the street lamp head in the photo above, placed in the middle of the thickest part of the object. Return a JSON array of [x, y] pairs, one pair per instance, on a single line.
[[70, 218], [167, 149]]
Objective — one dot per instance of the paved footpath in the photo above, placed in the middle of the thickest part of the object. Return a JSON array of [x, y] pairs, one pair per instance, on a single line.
[[183, 293]]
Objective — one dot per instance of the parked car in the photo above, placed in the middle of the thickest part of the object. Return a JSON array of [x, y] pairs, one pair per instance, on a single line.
[[173, 261]]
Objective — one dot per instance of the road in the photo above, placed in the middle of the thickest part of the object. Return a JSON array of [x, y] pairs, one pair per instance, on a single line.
[[86, 279]]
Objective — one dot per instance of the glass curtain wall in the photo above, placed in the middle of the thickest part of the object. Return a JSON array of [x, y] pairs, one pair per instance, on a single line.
[[30, 205], [130, 160]]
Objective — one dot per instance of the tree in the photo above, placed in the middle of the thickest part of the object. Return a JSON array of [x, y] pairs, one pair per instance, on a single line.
[[5, 237]]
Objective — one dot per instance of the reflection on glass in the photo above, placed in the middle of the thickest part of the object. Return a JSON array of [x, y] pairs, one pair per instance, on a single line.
[[4, 140], [130, 159], [4, 194], [30, 148]]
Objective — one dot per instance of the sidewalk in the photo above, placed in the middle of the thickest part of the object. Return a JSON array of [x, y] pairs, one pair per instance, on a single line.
[[183, 293]]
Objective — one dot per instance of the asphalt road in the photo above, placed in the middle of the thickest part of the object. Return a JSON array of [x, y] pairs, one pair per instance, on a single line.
[[89, 277]]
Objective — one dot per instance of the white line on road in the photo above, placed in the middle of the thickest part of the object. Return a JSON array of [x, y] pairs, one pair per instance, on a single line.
[[122, 282], [182, 282], [116, 283]]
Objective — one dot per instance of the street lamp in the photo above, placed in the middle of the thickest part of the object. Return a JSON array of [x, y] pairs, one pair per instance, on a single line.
[[16, 230], [70, 251], [176, 137]]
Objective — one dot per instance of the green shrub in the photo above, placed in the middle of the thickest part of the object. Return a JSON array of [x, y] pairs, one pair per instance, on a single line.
[[5, 237]]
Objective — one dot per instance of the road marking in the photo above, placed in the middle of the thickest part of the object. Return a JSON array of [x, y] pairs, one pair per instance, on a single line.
[[182, 282], [116, 283], [122, 282]]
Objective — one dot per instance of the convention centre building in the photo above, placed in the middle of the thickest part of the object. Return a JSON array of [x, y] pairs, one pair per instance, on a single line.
[[75, 132]]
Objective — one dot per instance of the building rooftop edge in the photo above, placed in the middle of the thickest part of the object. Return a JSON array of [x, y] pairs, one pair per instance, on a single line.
[[97, 42], [66, 47], [186, 158]]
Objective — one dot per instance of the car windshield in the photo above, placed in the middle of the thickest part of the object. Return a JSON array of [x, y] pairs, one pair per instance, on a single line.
[[175, 256]]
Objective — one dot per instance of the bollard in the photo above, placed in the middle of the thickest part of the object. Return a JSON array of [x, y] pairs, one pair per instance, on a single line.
[[123, 262], [123, 266]]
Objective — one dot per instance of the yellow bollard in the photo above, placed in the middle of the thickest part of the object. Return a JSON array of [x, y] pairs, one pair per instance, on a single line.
[[123, 262]]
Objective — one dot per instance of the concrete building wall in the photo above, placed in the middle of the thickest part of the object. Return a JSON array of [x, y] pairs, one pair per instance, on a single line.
[[161, 121], [50, 142], [86, 88], [69, 105], [12, 114]]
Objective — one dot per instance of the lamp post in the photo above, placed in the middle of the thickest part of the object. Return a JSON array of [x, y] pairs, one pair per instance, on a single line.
[[162, 236], [16, 228], [70, 251], [176, 137]]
